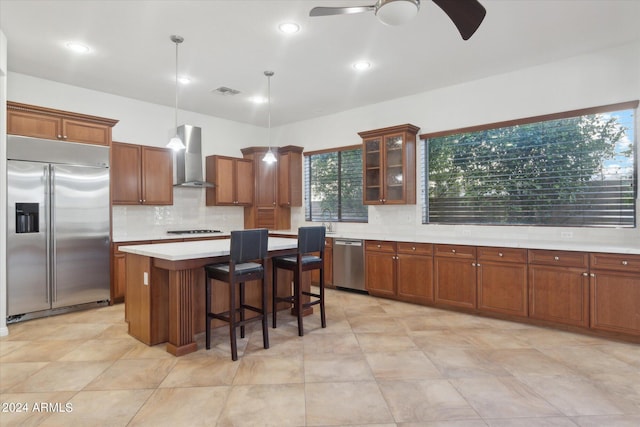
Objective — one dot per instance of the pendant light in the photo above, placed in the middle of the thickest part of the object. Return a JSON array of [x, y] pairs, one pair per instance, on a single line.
[[269, 157], [176, 143]]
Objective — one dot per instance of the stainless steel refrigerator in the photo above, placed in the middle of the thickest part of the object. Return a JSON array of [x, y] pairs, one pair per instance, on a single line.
[[58, 227]]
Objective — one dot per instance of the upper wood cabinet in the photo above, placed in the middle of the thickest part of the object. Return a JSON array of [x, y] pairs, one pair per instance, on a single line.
[[389, 165], [233, 179], [141, 175], [47, 123], [290, 176], [267, 211]]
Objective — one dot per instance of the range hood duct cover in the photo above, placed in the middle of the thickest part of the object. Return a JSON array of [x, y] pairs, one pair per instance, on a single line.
[[187, 163]]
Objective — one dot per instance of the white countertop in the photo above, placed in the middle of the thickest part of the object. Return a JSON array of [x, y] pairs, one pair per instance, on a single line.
[[161, 235], [178, 251], [566, 245]]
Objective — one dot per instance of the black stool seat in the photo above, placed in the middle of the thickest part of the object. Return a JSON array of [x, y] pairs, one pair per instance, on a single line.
[[310, 241], [247, 246]]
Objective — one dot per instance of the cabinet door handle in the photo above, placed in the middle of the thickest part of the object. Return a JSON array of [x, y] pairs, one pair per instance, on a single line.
[[585, 274], [59, 136], [500, 254], [625, 262], [453, 251], [593, 274], [556, 258], [413, 248], [379, 246]]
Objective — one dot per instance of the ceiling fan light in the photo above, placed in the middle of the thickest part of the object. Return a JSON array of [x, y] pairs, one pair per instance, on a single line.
[[397, 12]]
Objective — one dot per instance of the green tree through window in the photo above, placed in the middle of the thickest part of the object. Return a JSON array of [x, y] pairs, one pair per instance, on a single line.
[[573, 171], [333, 186]]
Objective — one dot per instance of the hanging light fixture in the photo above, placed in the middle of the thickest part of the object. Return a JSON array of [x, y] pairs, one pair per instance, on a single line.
[[269, 157], [176, 143]]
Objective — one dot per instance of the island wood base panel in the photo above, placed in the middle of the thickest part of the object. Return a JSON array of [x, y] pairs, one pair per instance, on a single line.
[[171, 307]]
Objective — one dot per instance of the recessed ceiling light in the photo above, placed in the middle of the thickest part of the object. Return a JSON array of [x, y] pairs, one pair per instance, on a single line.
[[361, 65], [184, 80], [289, 27], [78, 47], [259, 100]]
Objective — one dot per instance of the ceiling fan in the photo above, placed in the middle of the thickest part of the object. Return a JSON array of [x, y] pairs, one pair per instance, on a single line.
[[467, 15]]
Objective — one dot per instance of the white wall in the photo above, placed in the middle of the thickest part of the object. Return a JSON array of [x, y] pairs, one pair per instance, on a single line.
[[599, 78]]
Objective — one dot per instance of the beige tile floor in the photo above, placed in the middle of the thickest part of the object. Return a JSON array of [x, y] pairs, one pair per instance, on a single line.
[[378, 363]]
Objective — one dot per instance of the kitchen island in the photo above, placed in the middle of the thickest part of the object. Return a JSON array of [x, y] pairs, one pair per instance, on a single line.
[[165, 289]]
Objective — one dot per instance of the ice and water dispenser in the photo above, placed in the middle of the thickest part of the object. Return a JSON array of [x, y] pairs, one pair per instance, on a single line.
[[27, 218]]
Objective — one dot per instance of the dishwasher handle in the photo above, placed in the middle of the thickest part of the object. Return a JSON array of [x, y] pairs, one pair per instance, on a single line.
[[347, 242]]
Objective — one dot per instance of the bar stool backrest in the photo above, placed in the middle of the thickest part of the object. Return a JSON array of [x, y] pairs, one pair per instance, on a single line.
[[311, 239], [248, 245]]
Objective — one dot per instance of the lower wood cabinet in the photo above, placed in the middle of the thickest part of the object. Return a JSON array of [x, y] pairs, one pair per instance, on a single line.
[[414, 273], [559, 287], [454, 275], [118, 270], [615, 293], [380, 268], [502, 280], [401, 270]]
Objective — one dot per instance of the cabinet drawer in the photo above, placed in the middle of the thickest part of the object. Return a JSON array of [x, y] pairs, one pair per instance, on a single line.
[[618, 262], [502, 254], [415, 248], [458, 251], [380, 246], [560, 258]]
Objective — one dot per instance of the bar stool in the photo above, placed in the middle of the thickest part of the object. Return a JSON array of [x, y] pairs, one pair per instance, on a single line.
[[247, 247], [310, 241]]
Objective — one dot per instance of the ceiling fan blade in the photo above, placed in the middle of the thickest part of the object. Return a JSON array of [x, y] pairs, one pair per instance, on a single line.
[[326, 11], [467, 15]]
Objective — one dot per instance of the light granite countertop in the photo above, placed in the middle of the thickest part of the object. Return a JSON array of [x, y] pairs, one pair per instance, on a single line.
[[178, 251], [417, 238]]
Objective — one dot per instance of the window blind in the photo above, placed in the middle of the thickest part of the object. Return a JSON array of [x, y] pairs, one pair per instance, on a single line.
[[333, 186], [569, 171]]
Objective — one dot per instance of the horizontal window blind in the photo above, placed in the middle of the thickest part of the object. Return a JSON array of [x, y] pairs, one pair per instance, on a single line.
[[333, 186], [572, 171]]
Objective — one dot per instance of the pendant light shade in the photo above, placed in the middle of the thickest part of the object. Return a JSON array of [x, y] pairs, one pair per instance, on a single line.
[[269, 157], [176, 143]]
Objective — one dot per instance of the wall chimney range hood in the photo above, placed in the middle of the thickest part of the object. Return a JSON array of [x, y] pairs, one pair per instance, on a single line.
[[187, 163]]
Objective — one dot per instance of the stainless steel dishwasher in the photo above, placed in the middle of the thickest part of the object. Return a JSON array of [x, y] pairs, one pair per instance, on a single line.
[[348, 264]]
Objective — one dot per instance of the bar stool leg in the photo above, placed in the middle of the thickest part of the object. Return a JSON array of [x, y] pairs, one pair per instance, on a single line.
[[323, 318], [265, 322], [297, 289], [207, 299], [232, 320], [274, 295], [242, 309]]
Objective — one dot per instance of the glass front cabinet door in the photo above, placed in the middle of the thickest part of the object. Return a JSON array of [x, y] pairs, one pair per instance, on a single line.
[[389, 165]]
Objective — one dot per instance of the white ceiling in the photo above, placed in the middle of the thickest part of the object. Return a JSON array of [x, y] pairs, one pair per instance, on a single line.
[[231, 43]]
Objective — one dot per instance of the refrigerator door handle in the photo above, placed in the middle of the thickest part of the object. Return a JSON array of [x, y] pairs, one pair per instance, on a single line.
[[52, 234], [47, 214]]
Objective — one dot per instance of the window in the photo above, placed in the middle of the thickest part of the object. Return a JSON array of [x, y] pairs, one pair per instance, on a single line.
[[570, 169], [333, 186]]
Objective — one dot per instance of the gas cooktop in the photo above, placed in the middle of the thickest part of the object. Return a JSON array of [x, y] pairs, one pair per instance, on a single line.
[[193, 231]]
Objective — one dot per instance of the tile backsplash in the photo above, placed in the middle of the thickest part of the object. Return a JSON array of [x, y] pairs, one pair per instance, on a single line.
[[187, 212]]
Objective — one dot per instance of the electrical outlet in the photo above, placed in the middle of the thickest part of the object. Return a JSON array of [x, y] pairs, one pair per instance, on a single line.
[[145, 278]]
